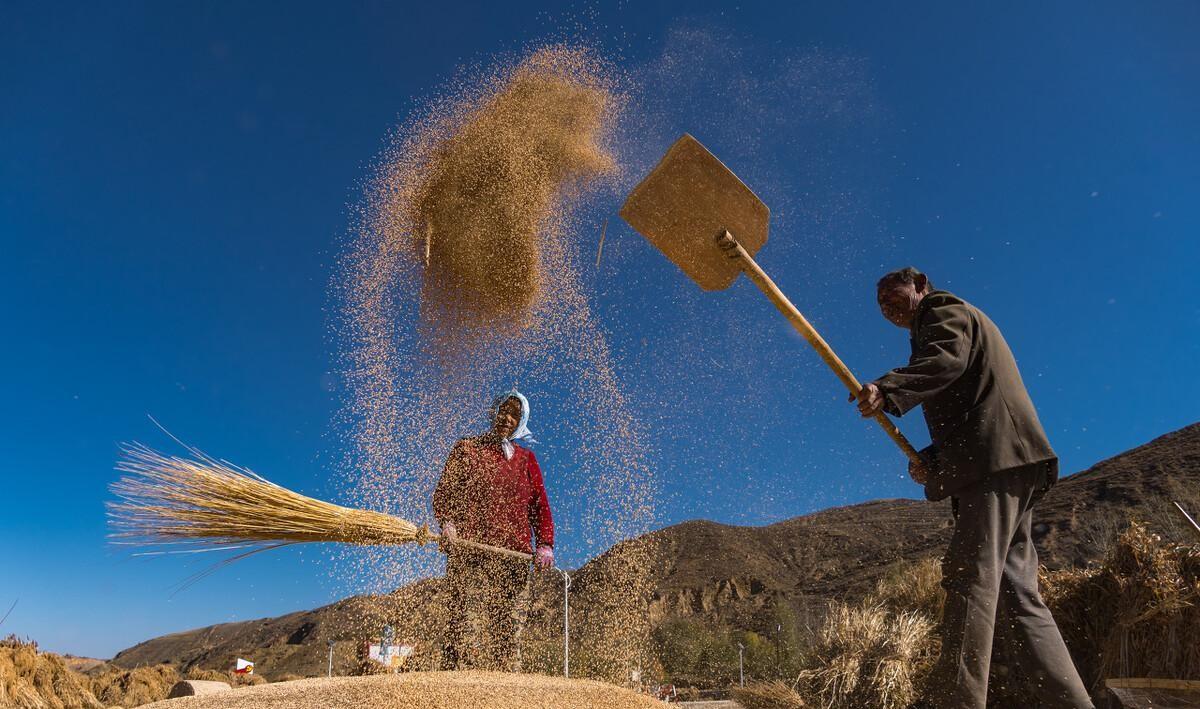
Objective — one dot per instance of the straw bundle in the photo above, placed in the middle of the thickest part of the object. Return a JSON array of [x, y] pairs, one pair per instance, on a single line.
[[868, 656], [215, 504], [1135, 615], [40, 680], [134, 687], [914, 586]]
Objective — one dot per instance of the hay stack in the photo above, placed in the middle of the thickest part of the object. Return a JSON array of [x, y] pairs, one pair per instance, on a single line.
[[131, 688], [34, 680], [877, 653], [915, 586], [1136, 615], [202, 675], [869, 656]]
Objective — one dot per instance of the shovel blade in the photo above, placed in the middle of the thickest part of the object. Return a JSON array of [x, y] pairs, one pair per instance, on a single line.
[[685, 202]]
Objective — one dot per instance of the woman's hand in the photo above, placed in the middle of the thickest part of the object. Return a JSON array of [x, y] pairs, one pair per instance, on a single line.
[[449, 536], [544, 558]]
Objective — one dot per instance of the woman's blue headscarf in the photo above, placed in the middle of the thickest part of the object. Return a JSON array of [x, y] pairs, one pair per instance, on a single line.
[[522, 432]]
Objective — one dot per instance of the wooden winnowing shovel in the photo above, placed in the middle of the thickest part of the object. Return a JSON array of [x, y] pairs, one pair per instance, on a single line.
[[708, 223]]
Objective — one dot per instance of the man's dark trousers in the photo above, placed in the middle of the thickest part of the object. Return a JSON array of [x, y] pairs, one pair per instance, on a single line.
[[992, 560]]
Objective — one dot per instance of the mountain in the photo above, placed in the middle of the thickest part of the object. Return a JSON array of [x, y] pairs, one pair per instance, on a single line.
[[738, 576]]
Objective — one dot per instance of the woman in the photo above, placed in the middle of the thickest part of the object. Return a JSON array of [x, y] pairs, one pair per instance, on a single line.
[[491, 491]]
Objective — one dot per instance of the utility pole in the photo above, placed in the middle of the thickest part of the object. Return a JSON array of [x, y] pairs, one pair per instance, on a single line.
[[329, 672], [741, 666], [385, 652]]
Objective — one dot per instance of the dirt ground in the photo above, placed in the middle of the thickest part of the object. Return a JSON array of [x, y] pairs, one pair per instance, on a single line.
[[425, 690]]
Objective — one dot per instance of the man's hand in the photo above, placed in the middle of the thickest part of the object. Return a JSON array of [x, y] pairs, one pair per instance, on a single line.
[[870, 400], [918, 472], [544, 558]]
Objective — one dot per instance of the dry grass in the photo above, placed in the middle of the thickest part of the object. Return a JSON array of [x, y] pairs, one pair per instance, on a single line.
[[868, 656], [203, 675], [912, 587], [211, 503], [131, 688], [34, 680], [1135, 615], [768, 695], [30, 679], [877, 653]]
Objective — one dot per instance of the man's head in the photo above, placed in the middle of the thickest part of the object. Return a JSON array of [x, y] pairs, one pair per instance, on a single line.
[[508, 417], [899, 293]]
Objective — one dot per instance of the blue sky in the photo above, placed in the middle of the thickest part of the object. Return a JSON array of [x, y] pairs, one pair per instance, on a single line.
[[176, 182]]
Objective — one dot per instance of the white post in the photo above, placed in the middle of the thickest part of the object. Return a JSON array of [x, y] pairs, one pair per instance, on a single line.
[[329, 672], [566, 623], [741, 667]]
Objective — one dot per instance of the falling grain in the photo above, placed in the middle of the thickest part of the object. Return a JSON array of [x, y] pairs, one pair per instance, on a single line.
[[463, 280]]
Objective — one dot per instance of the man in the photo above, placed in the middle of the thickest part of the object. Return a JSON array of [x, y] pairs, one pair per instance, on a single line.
[[991, 457], [491, 491]]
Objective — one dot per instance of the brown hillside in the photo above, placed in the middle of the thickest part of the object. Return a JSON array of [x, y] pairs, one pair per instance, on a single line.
[[735, 575]]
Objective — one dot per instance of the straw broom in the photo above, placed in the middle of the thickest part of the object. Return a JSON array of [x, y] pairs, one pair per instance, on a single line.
[[206, 504]]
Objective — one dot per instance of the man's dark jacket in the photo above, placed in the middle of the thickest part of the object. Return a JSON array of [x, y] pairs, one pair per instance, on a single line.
[[980, 417]]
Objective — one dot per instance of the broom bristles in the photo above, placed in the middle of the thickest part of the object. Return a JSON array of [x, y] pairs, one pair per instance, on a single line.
[[207, 502]]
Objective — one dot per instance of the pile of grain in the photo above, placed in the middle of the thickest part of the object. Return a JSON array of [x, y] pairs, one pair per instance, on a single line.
[[228, 677], [440, 690], [463, 280]]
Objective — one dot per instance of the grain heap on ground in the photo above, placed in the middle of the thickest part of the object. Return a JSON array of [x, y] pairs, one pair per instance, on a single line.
[[429, 690]]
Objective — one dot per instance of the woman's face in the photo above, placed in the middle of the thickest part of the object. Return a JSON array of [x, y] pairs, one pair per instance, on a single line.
[[508, 417]]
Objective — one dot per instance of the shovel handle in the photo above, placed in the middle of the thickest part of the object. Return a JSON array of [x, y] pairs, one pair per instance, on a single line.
[[730, 245]]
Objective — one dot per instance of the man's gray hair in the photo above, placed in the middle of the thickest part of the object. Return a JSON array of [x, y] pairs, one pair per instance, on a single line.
[[908, 274]]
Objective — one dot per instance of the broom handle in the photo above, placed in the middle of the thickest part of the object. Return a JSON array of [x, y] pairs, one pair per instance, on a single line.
[[752, 270], [480, 546]]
